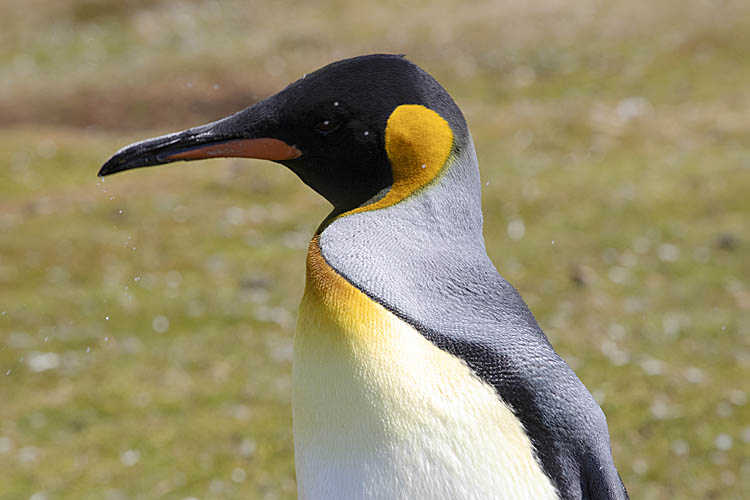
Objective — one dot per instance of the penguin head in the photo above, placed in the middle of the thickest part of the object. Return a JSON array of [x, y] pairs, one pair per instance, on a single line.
[[351, 130]]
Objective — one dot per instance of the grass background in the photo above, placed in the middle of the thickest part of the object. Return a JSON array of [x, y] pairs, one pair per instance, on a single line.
[[146, 321]]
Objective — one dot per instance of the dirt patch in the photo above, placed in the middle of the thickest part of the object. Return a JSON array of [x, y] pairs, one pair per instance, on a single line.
[[131, 107]]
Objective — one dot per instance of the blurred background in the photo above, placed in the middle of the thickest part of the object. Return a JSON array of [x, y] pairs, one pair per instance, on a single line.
[[146, 320]]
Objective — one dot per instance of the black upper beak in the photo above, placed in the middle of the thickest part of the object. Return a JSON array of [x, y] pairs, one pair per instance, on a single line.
[[239, 135]]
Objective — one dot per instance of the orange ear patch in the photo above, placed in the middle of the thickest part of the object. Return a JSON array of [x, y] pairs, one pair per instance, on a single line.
[[418, 142]]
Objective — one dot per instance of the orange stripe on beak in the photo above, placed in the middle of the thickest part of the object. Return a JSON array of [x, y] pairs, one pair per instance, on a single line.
[[262, 149]]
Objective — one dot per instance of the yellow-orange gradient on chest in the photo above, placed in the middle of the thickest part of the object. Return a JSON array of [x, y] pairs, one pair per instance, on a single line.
[[373, 398]]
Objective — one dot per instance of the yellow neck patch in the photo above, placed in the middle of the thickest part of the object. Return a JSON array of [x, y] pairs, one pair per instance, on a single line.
[[418, 142]]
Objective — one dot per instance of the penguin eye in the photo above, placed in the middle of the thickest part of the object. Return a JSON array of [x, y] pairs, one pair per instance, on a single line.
[[327, 126]]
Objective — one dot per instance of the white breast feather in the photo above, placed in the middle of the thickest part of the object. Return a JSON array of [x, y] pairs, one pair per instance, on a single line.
[[382, 413]]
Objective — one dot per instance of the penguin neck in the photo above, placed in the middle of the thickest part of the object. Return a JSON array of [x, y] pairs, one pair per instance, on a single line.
[[450, 205], [452, 202], [447, 210]]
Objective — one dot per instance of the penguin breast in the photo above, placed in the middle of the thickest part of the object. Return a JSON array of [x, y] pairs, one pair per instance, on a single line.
[[381, 412]]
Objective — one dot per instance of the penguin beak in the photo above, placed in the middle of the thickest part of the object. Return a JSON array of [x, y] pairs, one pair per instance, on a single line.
[[241, 135]]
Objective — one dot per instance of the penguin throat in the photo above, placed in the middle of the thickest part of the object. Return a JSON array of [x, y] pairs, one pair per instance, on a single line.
[[418, 142]]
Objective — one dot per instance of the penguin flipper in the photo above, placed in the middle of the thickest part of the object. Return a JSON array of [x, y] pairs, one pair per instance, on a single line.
[[602, 482]]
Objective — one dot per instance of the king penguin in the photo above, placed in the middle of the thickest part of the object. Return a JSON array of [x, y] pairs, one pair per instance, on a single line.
[[418, 372]]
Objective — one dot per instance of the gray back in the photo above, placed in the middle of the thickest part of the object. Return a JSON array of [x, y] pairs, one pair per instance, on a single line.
[[424, 259]]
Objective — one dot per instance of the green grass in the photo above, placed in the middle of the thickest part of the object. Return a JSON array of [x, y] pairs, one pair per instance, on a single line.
[[619, 135]]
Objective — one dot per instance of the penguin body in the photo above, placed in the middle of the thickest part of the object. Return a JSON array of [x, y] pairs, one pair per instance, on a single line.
[[381, 412], [418, 371]]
